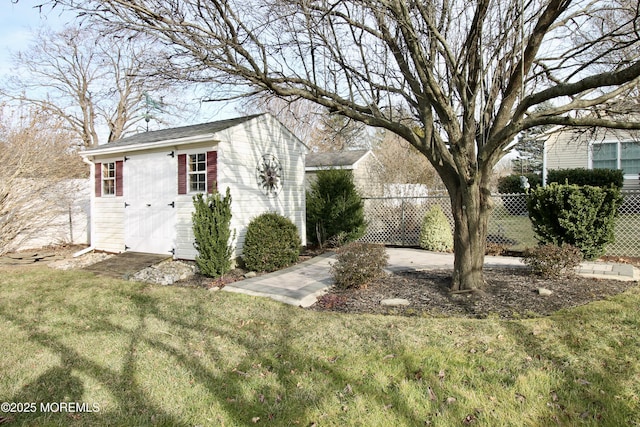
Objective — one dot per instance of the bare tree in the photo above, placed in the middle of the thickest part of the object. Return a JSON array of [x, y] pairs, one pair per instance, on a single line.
[[403, 164], [301, 117], [470, 72], [36, 154], [89, 79], [313, 124]]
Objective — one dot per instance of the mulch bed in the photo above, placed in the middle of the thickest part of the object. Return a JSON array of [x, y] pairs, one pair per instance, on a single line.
[[509, 293]]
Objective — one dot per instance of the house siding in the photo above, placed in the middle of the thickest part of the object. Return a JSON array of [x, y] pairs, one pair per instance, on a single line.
[[564, 151], [365, 172], [366, 176], [238, 152], [569, 149]]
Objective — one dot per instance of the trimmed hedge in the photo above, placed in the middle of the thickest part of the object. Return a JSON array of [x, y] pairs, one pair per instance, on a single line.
[[581, 216], [594, 177], [271, 243]]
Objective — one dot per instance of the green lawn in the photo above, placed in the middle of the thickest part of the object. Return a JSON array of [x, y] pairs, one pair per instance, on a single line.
[[152, 355]]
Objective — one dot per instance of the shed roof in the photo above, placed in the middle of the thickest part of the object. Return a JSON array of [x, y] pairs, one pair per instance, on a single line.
[[335, 159], [171, 134]]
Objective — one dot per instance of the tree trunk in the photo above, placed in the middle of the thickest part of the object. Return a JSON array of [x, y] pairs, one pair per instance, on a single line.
[[471, 206]]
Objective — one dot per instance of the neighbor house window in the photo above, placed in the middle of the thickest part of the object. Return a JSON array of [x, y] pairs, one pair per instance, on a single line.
[[197, 172], [109, 179], [630, 157], [617, 155]]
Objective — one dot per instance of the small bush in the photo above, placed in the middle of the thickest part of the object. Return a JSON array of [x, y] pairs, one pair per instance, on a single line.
[[271, 243], [435, 234], [551, 261], [580, 216], [212, 233], [357, 264], [334, 208], [595, 177]]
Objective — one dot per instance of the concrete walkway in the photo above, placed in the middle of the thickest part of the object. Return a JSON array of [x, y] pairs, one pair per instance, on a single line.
[[303, 283]]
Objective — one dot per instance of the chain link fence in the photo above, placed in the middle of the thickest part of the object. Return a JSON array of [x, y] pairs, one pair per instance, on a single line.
[[397, 221]]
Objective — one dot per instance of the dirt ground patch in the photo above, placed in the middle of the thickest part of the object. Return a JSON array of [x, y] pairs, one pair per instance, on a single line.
[[509, 293]]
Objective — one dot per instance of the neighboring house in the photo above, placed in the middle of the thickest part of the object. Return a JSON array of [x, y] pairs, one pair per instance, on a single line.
[[605, 148], [363, 164], [144, 184]]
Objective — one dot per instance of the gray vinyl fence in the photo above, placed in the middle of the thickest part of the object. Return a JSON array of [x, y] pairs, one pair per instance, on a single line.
[[397, 221]]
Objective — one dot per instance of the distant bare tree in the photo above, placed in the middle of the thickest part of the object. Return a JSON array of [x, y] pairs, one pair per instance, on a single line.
[[36, 154], [313, 124], [470, 72], [91, 80], [403, 164]]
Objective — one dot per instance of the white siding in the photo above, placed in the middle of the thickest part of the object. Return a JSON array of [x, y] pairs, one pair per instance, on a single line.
[[367, 176], [108, 223], [239, 152], [566, 151], [184, 229]]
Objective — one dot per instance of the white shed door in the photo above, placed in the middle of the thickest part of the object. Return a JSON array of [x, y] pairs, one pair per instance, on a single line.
[[150, 188]]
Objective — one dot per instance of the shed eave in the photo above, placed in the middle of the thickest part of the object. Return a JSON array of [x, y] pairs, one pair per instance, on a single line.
[[150, 145], [324, 168]]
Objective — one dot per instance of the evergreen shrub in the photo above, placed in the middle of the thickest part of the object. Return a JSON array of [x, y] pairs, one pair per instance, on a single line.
[[212, 231], [335, 210], [435, 234], [271, 243], [582, 216], [357, 264]]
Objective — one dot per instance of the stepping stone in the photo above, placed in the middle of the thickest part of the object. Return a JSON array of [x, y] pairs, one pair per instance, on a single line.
[[394, 302], [544, 292]]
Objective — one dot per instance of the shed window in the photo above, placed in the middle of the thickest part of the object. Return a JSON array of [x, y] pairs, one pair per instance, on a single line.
[[197, 172], [109, 179]]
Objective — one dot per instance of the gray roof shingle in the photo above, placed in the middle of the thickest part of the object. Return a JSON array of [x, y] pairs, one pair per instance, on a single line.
[[176, 133], [334, 159]]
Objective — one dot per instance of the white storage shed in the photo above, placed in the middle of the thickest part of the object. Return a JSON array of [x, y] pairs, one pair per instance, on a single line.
[[144, 184]]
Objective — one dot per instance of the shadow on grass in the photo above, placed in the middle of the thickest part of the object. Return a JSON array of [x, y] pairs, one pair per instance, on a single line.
[[262, 361], [241, 391], [595, 377]]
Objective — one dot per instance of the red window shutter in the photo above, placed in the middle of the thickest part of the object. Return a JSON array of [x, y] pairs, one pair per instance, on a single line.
[[212, 171], [119, 182], [182, 174], [98, 179]]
